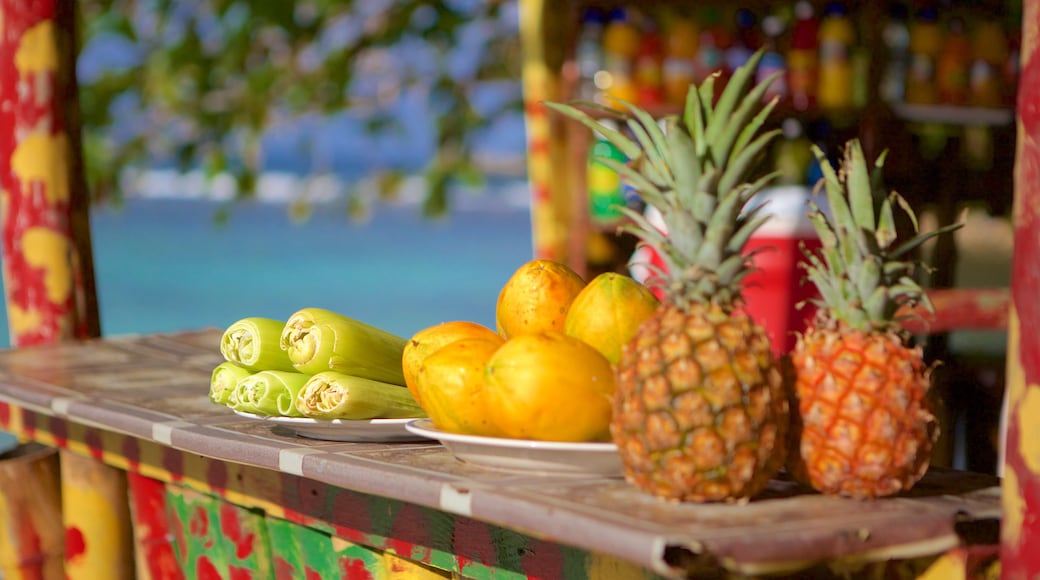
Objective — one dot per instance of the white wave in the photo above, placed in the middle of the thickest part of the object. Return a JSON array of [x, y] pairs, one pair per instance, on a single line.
[[284, 188]]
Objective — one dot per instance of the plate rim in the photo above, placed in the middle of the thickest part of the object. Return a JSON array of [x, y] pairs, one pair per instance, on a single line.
[[304, 421], [429, 430]]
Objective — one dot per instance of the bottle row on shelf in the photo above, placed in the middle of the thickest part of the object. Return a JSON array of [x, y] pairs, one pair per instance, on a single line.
[[957, 54], [791, 159]]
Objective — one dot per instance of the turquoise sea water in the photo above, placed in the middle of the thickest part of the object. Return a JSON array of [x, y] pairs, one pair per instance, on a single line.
[[164, 264]]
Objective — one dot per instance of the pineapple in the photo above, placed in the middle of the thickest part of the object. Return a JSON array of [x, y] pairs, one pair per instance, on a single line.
[[699, 413], [863, 426]]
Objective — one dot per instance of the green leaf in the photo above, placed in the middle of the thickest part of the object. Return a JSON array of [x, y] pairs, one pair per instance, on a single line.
[[693, 118], [655, 166], [627, 146], [736, 97], [737, 169], [823, 229], [684, 164], [867, 278], [750, 130], [857, 183], [738, 125], [916, 241], [886, 232], [633, 177], [909, 211], [656, 143], [744, 232]]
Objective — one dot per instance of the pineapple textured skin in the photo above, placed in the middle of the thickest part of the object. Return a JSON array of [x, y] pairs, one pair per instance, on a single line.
[[700, 413], [864, 426], [863, 421]]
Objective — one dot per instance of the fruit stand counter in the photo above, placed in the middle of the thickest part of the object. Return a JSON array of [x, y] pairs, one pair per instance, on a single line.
[[215, 495]]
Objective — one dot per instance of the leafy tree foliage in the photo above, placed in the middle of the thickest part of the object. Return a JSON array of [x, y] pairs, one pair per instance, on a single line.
[[198, 82]]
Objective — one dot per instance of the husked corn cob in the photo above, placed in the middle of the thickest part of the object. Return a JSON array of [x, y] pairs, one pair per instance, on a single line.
[[319, 340], [335, 395], [223, 381], [269, 393], [255, 343]]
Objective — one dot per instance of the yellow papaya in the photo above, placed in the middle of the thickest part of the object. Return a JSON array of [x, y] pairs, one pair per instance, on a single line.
[[551, 387], [451, 381], [607, 312], [536, 298], [429, 340]]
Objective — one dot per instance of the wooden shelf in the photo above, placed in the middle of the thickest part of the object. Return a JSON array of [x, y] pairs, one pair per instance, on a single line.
[[953, 115]]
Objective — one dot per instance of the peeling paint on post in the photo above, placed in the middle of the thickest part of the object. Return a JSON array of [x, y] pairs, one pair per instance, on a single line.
[[152, 541], [215, 539], [98, 535], [45, 231], [1020, 541], [48, 267], [550, 180]]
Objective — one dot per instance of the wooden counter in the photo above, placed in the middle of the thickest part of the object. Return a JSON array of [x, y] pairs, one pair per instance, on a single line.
[[140, 404]]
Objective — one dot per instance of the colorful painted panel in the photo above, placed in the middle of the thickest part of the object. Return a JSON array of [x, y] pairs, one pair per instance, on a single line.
[[216, 540]]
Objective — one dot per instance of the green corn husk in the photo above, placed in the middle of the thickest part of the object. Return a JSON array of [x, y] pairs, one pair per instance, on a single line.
[[335, 395], [255, 343], [319, 340], [223, 381], [269, 393]]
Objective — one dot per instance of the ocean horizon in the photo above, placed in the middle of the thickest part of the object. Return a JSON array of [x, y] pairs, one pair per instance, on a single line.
[[164, 263]]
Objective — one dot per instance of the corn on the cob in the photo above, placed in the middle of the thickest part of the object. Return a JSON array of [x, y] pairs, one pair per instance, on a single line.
[[269, 393], [319, 340], [255, 343], [335, 395], [223, 381]]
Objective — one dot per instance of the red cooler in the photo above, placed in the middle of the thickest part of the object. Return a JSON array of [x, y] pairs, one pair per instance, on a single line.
[[773, 291]]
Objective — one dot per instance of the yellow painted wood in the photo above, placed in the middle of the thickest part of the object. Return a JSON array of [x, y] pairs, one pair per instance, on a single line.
[[604, 567], [549, 175], [398, 568], [32, 539], [99, 536], [949, 566]]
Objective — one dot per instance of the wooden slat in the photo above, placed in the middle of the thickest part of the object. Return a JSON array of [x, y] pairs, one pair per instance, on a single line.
[[962, 309]]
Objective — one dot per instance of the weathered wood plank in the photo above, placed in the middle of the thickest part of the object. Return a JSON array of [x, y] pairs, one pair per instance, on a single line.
[[32, 539], [1020, 554]]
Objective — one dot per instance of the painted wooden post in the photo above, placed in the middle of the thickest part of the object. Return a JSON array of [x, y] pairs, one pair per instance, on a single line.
[[48, 266], [31, 535], [217, 539], [1020, 541], [552, 179], [154, 556], [98, 535]]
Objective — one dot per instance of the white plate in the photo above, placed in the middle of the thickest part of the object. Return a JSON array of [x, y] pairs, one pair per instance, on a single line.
[[524, 455], [372, 430]]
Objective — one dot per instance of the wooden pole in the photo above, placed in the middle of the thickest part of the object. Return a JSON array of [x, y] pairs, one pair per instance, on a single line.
[[48, 267], [552, 180], [32, 539], [1020, 541], [98, 534]]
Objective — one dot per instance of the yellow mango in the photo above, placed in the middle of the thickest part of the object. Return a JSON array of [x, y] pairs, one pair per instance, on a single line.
[[608, 311], [451, 381], [551, 387], [536, 298], [429, 340]]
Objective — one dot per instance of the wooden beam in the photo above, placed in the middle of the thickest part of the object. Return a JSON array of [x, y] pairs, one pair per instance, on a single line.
[[961, 309], [1020, 534]]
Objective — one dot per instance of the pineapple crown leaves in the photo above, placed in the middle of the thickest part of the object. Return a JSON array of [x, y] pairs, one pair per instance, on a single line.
[[695, 169], [860, 271]]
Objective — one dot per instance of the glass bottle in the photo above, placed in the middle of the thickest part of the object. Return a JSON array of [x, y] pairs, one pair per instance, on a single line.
[[836, 38]]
